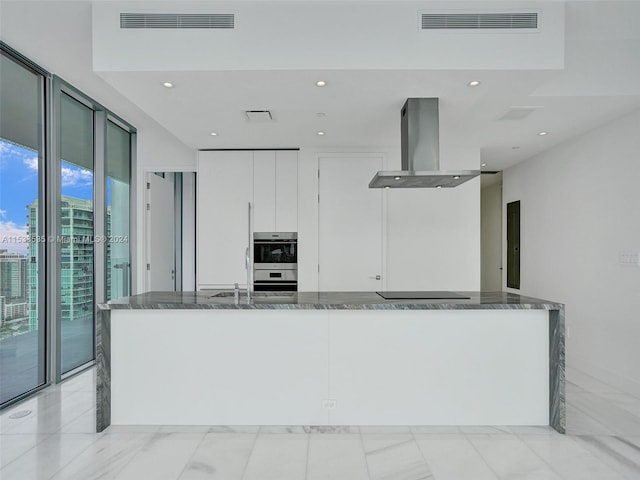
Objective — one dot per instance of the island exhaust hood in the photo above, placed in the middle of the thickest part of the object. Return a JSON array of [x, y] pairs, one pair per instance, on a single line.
[[421, 151]]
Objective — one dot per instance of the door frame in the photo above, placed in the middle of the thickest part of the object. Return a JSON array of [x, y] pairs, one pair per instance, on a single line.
[[144, 227]]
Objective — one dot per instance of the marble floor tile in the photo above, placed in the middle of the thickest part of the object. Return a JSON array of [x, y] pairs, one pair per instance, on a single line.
[[532, 430], [570, 460], [54, 413], [184, 429], [85, 423], [278, 457], [48, 457], [394, 457], [283, 429], [620, 454], [435, 429], [334, 429], [624, 401], [104, 458], [587, 382], [485, 430], [162, 457], [510, 458], [336, 456], [453, 457], [234, 429], [384, 430], [15, 445], [220, 456], [619, 420], [42, 402], [116, 429], [579, 423]]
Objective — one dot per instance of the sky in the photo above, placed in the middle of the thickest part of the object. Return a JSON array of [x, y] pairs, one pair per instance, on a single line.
[[19, 187]]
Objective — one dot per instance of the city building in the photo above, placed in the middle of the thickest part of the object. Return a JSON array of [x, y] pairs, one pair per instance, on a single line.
[[13, 287]]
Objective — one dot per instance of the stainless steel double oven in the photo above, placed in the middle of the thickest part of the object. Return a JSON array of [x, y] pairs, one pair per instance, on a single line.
[[275, 261]]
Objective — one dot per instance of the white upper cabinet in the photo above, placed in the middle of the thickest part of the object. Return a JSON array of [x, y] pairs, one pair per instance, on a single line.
[[225, 189], [227, 182], [275, 191], [286, 191], [264, 191]]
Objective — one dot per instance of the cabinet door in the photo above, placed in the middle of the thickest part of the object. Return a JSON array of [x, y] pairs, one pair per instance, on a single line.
[[286, 191], [225, 188], [349, 225], [264, 191]]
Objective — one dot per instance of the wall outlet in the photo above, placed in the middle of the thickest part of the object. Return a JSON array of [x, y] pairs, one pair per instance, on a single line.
[[630, 259], [329, 403]]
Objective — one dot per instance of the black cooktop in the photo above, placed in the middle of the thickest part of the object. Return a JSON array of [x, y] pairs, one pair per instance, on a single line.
[[431, 295]]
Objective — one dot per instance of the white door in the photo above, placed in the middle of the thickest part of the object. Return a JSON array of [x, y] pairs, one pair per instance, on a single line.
[[160, 233], [350, 224]]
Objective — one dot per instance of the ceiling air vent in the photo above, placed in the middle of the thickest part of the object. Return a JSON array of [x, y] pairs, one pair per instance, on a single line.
[[259, 116], [478, 21], [177, 20]]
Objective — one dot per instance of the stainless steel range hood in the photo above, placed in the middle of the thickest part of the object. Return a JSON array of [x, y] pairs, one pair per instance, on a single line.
[[421, 152]]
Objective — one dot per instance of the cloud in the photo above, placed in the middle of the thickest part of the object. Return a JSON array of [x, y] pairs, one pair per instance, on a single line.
[[13, 237], [76, 177], [3, 213], [32, 163]]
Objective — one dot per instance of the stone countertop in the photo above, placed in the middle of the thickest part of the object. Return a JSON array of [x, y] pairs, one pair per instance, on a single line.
[[204, 300]]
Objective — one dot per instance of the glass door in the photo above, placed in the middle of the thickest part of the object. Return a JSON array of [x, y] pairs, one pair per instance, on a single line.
[[22, 323], [75, 242], [118, 167]]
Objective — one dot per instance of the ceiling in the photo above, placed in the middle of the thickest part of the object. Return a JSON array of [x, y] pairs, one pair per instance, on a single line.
[[358, 108]]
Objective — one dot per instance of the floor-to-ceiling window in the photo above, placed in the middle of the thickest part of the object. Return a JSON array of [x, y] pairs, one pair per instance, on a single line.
[[22, 320], [118, 166], [65, 189], [76, 234]]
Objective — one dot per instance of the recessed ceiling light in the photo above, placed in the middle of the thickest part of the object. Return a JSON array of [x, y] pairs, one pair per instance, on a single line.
[[320, 133], [438, 186], [483, 164], [474, 83], [542, 134], [167, 84], [321, 83], [456, 177], [397, 178], [213, 134], [387, 187]]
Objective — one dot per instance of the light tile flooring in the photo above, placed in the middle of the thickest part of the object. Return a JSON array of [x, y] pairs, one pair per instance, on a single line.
[[56, 441]]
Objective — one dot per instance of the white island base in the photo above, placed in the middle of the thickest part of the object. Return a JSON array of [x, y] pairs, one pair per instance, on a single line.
[[329, 367]]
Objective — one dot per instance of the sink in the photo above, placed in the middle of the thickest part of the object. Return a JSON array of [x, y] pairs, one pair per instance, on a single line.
[[243, 294]]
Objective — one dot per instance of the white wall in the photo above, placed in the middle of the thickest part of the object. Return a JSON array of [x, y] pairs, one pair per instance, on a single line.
[[580, 205]]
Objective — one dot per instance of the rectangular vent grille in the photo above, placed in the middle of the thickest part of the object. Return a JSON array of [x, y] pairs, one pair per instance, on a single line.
[[475, 21], [176, 20]]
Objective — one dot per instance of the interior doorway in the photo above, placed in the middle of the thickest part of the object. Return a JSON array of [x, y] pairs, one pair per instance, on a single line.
[[170, 231], [491, 232]]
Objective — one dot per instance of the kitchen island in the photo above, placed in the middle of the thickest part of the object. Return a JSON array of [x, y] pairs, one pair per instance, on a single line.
[[335, 358]]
